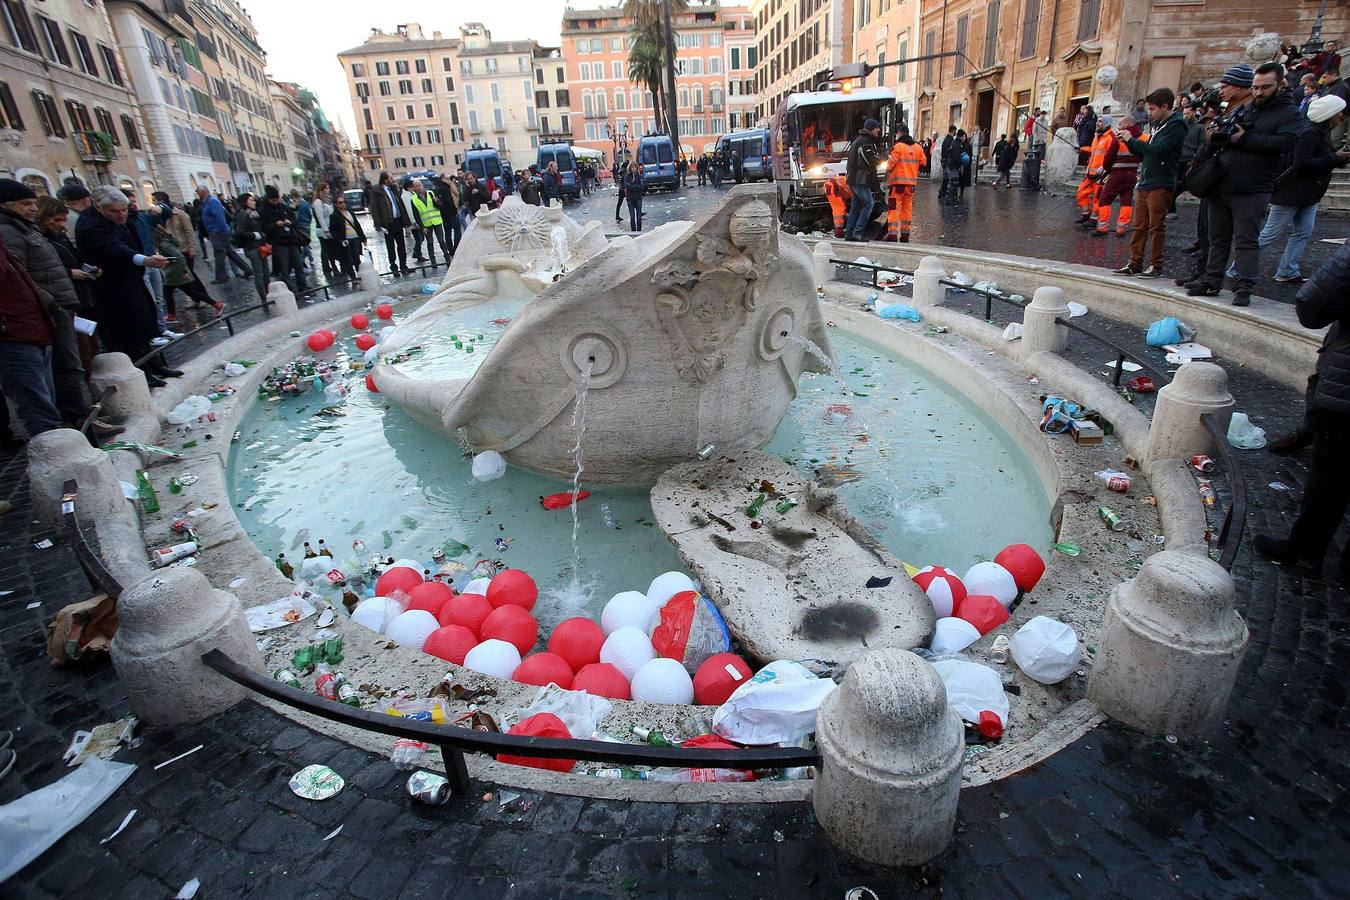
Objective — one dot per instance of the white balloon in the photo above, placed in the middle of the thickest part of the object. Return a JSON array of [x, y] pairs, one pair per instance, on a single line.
[[413, 564], [630, 608], [628, 649], [952, 635], [477, 586], [489, 466], [385, 332], [374, 613], [493, 657], [371, 355], [667, 585], [1046, 650], [663, 681], [412, 627], [991, 579]]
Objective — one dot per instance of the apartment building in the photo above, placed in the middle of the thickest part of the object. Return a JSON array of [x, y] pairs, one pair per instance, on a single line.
[[498, 85], [738, 42], [552, 100], [300, 140], [614, 110], [67, 108], [797, 42], [407, 101], [887, 31]]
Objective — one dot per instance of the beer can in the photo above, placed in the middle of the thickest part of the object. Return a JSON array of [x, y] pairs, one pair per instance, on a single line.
[[1202, 463], [287, 677], [429, 788], [1118, 483], [1111, 518], [1207, 494]]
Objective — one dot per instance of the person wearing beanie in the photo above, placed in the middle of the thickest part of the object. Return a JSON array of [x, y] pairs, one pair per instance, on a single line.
[[1258, 129], [18, 227], [76, 199], [864, 155]]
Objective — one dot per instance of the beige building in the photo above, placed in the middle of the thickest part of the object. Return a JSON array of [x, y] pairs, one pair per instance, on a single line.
[[738, 42], [552, 102], [798, 41], [67, 109], [498, 91], [886, 31], [405, 91]]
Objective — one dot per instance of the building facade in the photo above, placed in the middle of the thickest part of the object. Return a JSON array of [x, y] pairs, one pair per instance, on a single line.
[[67, 108], [406, 99], [741, 54], [552, 100], [797, 42], [887, 31], [613, 110], [498, 85]]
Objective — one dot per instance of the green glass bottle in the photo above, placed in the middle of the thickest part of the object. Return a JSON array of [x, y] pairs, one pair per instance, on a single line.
[[145, 491]]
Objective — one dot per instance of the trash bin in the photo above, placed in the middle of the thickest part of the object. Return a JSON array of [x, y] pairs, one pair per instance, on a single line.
[[1031, 172]]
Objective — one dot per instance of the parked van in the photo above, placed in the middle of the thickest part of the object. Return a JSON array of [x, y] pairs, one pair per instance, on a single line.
[[485, 162], [656, 156], [562, 154], [753, 147]]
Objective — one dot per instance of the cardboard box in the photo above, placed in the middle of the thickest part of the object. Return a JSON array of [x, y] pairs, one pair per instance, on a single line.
[[1085, 432]]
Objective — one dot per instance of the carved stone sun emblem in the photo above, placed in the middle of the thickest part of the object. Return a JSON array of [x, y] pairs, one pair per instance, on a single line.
[[521, 226]]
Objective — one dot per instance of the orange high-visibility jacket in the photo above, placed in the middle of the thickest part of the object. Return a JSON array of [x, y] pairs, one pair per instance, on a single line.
[[1097, 159], [838, 187], [905, 162]]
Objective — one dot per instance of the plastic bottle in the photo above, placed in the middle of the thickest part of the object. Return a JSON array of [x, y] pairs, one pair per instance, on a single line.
[[697, 775], [653, 737], [407, 753], [162, 556], [607, 515], [325, 683], [284, 567], [145, 492]]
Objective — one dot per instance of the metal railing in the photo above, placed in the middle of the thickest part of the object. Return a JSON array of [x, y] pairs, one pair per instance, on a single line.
[[989, 296], [1121, 354], [95, 408], [1234, 522], [873, 268], [453, 741]]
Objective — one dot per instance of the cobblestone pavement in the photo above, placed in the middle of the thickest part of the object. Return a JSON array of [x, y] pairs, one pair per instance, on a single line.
[[1254, 812]]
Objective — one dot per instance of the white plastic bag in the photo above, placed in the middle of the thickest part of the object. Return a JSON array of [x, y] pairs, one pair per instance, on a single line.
[[1046, 650], [581, 712], [294, 607], [776, 706], [38, 819], [233, 370], [188, 409], [488, 466], [1013, 331], [973, 688], [1243, 435]]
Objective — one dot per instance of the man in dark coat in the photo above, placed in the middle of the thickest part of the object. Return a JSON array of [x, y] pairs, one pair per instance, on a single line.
[[279, 226], [864, 155], [1323, 301], [390, 218], [126, 319], [25, 348], [943, 154]]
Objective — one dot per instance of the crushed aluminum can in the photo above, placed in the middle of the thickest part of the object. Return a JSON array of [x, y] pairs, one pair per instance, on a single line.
[[316, 783], [998, 651], [1120, 484], [1202, 464], [429, 788]]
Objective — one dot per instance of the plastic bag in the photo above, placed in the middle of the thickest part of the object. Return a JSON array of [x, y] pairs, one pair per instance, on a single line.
[[1013, 331], [35, 821], [898, 311], [1046, 650], [777, 706], [1164, 331], [1243, 435], [690, 631], [973, 688], [489, 466], [233, 369], [188, 409], [579, 711]]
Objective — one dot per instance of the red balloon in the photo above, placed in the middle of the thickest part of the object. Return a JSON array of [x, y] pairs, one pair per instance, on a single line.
[[513, 625], [431, 596], [365, 341], [1024, 563], [318, 341], [514, 587], [578, 641], [982, 611], [540, 725], [541, 668], [468, 610], [714, 681], [360, 320], [562, 500], [332, 335], [399, 578], [384, 311], [602, 680], [451, 643], [370, 384]]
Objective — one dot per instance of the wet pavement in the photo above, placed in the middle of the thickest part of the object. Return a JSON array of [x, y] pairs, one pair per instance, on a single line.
[[1254, 812]]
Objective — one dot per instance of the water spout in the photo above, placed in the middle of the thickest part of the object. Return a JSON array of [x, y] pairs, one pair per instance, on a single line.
[[579, 429], [561, 251]]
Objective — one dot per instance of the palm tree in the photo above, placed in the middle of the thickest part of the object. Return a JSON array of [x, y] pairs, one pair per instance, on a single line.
[[647, 55]]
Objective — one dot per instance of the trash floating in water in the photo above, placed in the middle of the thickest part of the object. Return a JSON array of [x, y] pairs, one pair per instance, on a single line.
[[296, 377], [563, 499]]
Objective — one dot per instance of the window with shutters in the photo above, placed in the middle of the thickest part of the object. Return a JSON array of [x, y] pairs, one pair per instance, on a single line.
[[129, 129], [19, 26], [962, 39], [54, 42], [84, 53], [79, 116], [110, 64], [105, 124], [9, 110], [991, 33], [929, 48], [426, 86], [382, 68], [1088, 15], [401, 66], [1031, 26]]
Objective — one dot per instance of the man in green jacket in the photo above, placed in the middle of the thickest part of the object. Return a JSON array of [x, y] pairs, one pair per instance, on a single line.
[[1161, 162]]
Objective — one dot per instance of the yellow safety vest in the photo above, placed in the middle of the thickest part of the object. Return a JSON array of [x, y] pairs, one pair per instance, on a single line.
[[427, 213]]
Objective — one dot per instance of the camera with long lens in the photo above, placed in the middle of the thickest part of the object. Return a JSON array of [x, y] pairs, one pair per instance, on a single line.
[[1230, 122]]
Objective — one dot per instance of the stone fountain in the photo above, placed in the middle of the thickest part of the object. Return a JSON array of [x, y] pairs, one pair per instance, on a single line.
[[684, 336]]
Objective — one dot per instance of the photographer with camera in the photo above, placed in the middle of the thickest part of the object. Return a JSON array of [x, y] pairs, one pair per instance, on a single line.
[[1245, 147]]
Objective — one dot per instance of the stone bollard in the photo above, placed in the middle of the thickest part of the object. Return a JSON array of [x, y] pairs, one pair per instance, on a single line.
[[132, 394], [1176, 431], [368, 277], [165, 623], [927, 292], [1040, 332], [1170, 647], [55, 456], [820, 257], [891, 751], [280, 296]]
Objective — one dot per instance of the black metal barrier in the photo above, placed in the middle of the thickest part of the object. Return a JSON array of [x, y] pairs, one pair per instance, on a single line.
[[1235, 517], [100, 579]]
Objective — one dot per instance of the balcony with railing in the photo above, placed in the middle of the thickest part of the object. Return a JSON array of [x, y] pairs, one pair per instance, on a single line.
[[94, 146]]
